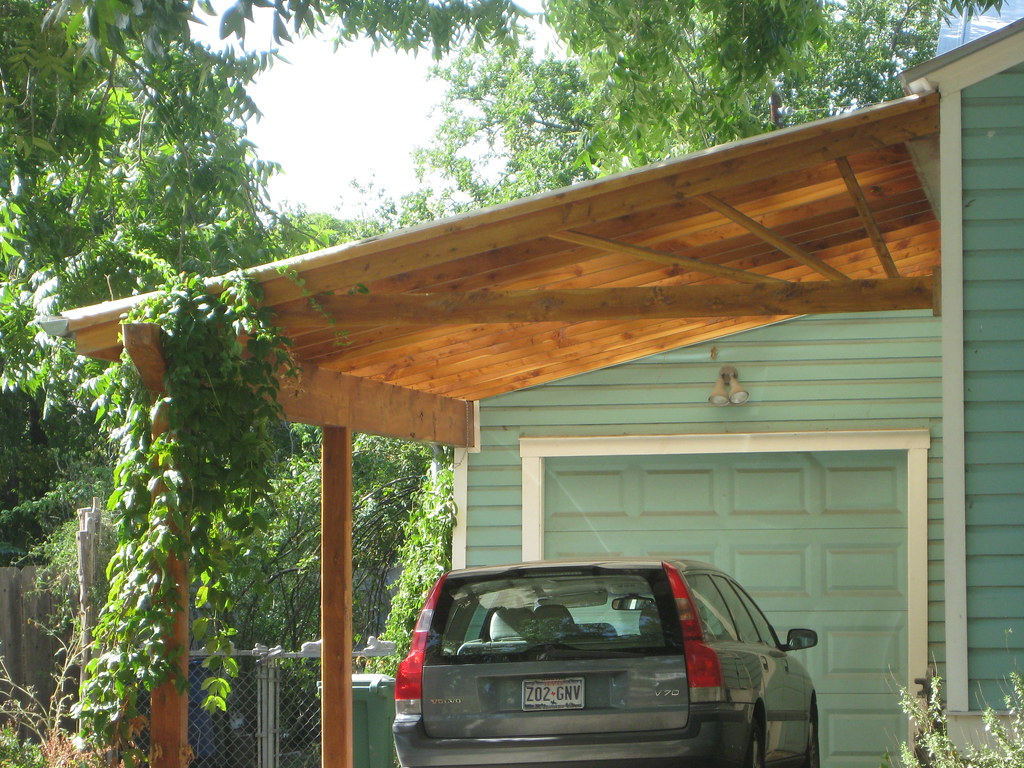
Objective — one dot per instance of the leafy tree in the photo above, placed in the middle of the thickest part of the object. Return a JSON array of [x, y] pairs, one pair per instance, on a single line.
[[278, 578], [111, 180], [513, 125], [886, 36], [116, 26], [702, 69], [516, 124]]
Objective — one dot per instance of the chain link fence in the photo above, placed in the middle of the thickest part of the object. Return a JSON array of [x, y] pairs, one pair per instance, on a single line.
[[273, 710]]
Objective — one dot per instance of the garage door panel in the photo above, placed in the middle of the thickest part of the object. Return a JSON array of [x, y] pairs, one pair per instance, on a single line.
[[761, 491], [609, 541], [862, 570], [818, 540], [876, 490], [857, 652], [779, 570], [859, 730], [589, 493], [677, 492]]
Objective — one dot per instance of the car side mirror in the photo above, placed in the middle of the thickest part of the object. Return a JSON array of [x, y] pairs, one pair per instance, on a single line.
[[801, 639]]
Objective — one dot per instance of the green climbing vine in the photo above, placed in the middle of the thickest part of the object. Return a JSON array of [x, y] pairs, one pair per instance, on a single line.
[[426, 553], [188, 491]]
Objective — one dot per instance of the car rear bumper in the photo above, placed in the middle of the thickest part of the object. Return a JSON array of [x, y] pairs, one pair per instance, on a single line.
[[711, 740]]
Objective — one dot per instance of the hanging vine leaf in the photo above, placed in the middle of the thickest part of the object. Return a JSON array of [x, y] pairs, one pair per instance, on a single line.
[[189, 492]]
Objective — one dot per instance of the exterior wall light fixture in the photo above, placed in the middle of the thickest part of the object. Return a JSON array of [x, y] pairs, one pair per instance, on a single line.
[[727, 389]]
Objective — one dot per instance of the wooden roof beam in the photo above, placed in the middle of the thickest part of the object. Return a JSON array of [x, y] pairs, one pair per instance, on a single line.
[[777, 241], [144, 345], [329, 399], [867, 217], [628, 303], [663, 257]]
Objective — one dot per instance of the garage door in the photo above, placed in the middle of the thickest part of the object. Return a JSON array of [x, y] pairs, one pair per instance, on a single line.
[[819, 539]]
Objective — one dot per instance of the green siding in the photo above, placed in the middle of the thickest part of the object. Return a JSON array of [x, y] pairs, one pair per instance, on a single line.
[[866, 371], [993, 173]]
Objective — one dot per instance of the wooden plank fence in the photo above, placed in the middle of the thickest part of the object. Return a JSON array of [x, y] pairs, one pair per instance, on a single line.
[[30, 654]]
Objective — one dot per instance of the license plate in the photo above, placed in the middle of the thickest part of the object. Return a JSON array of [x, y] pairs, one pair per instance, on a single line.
[[566, 693]]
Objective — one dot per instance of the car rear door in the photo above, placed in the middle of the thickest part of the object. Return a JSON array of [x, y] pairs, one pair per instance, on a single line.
[[782, 691]]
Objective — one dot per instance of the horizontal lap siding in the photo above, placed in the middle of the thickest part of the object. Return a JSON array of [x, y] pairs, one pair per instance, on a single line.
[[993, 172], [849, 372]]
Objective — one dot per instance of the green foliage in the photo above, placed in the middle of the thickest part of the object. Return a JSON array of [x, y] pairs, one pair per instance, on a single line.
[[192, 468], [277, 580], [425, 555], [681, 74], [276, 575], [114, 26], [512, 126], [15, 753], [671, 75], [52, 461], [113, 179], [887, 37], [1004, 747], [516, 124]]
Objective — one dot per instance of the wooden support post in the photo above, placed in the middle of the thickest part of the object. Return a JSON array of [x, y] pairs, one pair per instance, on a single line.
[[88, 532], [168, 719], [336, 597]]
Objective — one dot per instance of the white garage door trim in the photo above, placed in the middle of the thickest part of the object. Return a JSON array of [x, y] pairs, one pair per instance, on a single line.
[[534, 450]]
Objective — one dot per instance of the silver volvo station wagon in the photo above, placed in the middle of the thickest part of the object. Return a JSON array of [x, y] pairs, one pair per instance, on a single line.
[[645, 664]]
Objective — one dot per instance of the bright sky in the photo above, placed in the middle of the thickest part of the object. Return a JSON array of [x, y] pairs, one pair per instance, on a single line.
[[333, 117]]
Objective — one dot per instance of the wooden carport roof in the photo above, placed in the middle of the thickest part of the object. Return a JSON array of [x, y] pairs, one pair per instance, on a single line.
[[825, 217]]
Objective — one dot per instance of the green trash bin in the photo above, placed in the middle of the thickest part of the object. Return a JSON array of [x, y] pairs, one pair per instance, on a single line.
[[373, 712]]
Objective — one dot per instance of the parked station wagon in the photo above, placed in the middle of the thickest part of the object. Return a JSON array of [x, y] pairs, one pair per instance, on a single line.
[[645, 664]]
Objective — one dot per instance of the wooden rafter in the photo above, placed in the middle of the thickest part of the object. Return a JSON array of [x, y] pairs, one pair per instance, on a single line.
[[601, 200], [632, 303], [866, 216], [704, 267], [757, 228]]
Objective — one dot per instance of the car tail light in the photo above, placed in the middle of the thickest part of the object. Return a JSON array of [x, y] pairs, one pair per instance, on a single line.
[[703, 668], [409, 678]]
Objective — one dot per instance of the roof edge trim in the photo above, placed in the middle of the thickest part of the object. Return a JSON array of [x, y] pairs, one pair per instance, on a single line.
[[968, 64]]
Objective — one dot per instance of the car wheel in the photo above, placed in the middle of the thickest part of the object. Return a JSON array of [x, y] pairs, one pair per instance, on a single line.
[[755, 750], [812, 758]]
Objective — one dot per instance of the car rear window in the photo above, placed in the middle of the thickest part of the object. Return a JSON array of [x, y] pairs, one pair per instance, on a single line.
[[554, 613]]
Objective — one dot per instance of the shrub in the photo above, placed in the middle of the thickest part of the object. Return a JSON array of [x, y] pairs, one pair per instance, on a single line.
[[15, 753], [935, 749]]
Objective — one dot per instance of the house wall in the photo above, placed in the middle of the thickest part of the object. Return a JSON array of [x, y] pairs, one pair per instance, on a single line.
[[993, 263], [841, 372]]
